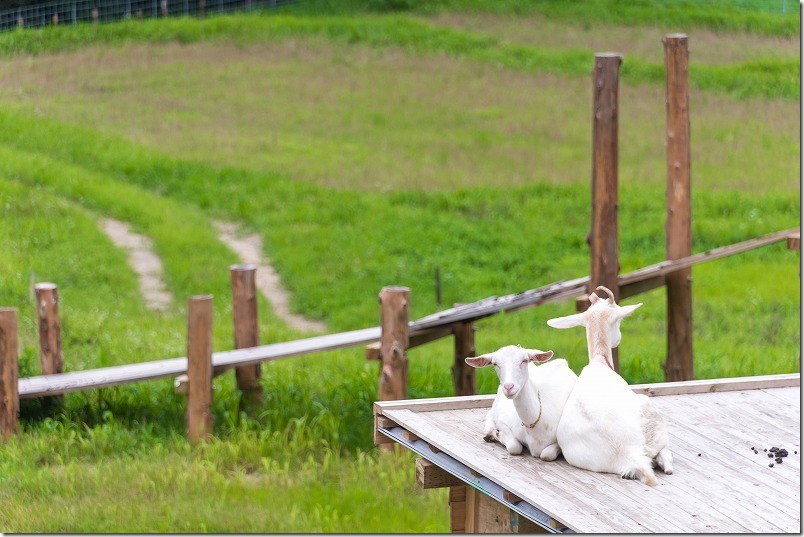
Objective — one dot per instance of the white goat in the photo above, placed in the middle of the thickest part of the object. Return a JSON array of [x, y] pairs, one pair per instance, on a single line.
[[529, 401], [605, 426]]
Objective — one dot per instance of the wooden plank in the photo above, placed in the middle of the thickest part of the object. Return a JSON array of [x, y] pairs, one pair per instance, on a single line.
[[409, 436], [457, 509], [472, 510], [432, 476], [385, 423], [420, 338], [637, 287], [436, 403], [494, 517], [794, 241], [666, 267], [9, 372], [729, 488], [38, 386], [469, 448], [653, 389], [509, 496], [719, 385], [678, 364]]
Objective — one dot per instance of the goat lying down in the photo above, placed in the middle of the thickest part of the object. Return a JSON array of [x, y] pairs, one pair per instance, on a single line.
[[529, 401], [605, 426]]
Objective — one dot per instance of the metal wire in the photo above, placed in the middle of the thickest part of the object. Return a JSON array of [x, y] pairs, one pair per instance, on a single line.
[[74, 11]]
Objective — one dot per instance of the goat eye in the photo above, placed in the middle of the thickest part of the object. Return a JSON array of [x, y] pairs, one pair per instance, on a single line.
[[523, 363]]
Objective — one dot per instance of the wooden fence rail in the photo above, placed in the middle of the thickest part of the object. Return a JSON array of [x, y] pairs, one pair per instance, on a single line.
[[390, 341], [421, 331]]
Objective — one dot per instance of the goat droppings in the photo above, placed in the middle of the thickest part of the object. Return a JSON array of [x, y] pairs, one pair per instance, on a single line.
[[770, 465]]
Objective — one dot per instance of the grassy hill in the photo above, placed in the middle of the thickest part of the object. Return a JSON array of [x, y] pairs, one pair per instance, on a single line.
[[366, 148]]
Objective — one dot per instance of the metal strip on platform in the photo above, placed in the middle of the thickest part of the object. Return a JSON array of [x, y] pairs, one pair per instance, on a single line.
[[462, 472]]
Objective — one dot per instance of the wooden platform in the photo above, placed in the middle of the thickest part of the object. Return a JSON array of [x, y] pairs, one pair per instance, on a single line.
[[719, 483]]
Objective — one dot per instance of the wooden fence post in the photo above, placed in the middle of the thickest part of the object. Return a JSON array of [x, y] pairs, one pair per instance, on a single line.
[[9, 374], [678, 364], [51, 356], [199, 367], [462, 373], [394, 342], [603, 239], [246, 332], [202, 8]]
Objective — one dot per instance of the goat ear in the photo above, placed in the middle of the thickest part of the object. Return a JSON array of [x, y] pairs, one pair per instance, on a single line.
[[624, 311], [568, 322], [479, 361], [535, 355]]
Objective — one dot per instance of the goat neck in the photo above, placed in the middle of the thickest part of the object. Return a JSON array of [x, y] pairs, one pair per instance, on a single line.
[[598, 339], [528, 404]]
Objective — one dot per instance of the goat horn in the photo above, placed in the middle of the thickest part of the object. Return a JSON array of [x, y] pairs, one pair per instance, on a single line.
[[608, 292]]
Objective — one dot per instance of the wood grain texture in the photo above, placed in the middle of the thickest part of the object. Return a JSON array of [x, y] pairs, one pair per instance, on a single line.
[[199, 368], [394, 342], [463, 375], [246, 332], [9, 372], [728, 488], [678, 364], [432, 476], [604, 241], [51, 357]]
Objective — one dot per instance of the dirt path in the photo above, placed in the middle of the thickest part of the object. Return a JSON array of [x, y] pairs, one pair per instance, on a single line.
[[143, 260], [249, 249]]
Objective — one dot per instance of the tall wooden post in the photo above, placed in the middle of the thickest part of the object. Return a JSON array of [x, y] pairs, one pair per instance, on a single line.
[[462, 373], [678, 365], [199, 368], [394, 342], [603, 239], [51, 357], [246, 332], [9, 374]]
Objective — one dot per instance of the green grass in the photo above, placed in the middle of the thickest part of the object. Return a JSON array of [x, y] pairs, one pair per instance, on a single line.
[[726, 17], [453, 186], [750, 79]]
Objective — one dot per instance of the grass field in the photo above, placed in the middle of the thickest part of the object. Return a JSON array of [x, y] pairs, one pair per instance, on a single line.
[[366, 148]]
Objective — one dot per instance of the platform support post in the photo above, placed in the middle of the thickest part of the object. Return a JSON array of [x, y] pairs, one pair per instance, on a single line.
[[603, 239], [679, 363]]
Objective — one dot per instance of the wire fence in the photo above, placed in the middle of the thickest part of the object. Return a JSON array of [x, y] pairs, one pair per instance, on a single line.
[[75, 11]]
